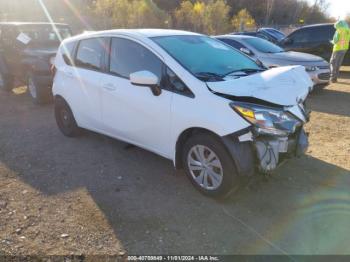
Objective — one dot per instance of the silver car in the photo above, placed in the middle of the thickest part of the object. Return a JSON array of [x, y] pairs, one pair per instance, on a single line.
[[272, 55]]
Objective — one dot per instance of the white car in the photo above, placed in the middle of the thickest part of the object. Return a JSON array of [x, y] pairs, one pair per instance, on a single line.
[[187, 97]]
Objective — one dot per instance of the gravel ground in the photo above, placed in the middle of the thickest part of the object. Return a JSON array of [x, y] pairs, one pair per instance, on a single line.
[[94, 196]]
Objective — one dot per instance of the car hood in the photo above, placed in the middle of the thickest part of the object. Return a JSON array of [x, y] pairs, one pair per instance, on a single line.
[[295, 57], [285, 86]]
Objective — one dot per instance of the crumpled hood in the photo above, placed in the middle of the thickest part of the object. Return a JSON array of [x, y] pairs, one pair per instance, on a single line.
[[285, 86], [295, 57]]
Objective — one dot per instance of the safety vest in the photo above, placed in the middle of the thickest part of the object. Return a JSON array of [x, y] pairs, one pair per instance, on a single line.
[[343, 42]]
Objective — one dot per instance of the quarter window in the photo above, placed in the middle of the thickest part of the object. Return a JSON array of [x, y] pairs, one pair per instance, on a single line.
[[128, 57], [90, 53]]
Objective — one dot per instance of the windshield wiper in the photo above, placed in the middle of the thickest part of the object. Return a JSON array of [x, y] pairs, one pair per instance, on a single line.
[[206, 76], [245, 70]]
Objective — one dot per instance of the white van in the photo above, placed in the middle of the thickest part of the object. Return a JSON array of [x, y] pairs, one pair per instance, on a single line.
[[187, 97]]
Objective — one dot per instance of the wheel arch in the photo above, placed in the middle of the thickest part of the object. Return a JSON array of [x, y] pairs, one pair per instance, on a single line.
[[242, 153], [183, 137]]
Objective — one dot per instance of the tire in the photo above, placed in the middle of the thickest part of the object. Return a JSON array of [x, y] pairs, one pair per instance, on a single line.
[[65, 119], [225, 179], [6, 83], [40, 94]]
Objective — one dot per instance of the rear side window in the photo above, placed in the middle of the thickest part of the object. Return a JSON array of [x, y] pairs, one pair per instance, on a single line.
[[232, 43], [314, 34], [128, 57], [67, 51], [90, 53]]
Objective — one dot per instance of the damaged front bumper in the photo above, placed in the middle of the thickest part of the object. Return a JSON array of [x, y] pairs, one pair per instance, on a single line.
[[271, 151]]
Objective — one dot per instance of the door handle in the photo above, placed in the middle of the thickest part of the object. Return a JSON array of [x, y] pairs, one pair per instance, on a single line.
[[109, 87]]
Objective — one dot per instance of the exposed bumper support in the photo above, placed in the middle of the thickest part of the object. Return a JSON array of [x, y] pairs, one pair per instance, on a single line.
[[271, 150]]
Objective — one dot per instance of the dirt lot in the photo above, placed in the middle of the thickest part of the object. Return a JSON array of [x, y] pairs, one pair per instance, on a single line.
[[91, 195]]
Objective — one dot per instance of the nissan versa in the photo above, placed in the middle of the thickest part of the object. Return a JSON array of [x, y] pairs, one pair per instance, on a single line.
[[187, 97]]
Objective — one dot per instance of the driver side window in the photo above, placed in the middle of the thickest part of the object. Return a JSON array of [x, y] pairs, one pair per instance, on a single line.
[[127, 57]]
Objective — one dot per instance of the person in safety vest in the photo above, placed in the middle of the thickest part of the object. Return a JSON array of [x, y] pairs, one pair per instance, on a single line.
[[340, 46]]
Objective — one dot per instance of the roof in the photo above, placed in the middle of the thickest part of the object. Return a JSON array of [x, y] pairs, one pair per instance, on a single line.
[[236, 36], [317, 25], [30, 23], [141, 32]]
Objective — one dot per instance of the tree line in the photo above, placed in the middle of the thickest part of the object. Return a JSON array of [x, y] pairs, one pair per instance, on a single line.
[[207, 16]]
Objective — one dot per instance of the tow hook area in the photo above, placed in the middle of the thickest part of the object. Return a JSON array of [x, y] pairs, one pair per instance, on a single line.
[[268, 153], [270, 150]]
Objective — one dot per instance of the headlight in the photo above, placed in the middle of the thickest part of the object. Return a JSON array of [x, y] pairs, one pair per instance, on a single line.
[[266, 120], [311, 68]]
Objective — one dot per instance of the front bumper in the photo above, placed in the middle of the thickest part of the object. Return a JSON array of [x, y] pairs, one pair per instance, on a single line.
[[271, 151], [320, 76]]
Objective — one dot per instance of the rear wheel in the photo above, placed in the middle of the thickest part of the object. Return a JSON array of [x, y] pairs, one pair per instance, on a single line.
[[209, 166], [65, 119], [40, 94], [6, 83]]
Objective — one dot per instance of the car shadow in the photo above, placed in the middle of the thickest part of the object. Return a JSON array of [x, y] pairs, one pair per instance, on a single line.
[[153, 209], [304, 208]]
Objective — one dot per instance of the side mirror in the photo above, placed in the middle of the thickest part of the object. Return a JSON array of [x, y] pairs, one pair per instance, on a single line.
[[148, 79], [246, 51], [288, 41]]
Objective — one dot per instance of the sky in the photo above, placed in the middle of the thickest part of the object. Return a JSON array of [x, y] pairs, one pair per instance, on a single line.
[[337, 8]]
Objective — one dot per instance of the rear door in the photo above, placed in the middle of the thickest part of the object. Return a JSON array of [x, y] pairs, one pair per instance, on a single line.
[[312, 40], [83, 87]]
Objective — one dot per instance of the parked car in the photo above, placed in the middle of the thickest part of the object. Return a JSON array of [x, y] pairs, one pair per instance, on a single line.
[[26, 54], [187, 97], [270, 34], [272, 55], [312, 39]]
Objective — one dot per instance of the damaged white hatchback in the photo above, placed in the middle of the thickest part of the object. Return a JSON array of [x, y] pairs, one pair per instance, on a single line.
[[209, 108]]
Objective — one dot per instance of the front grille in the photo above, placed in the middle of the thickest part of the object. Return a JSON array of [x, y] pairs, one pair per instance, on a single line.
[[324, 67], [324, 76]]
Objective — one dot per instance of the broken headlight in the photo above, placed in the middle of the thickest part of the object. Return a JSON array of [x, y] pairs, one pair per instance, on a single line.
[[267, 120]]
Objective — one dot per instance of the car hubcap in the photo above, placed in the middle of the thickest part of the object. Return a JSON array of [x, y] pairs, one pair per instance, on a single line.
[[65, 118], [32, 88], [205, 167]]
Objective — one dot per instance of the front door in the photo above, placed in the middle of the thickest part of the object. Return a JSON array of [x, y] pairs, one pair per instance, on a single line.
[[132, 113]]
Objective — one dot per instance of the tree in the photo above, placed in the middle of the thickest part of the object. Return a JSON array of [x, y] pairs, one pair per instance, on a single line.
[[131, 14], [243, 20], [210, 17]]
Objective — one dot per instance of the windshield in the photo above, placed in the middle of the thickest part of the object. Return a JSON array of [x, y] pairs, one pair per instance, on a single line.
[[204, 56], [44, 33], [263, 46]]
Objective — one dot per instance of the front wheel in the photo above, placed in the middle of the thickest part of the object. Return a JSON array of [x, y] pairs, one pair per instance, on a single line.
[[209, 166]]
